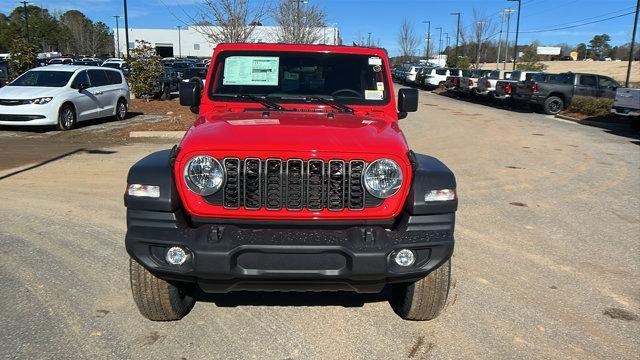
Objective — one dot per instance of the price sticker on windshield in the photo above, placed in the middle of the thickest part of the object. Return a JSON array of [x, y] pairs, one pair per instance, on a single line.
[[375, 61], [374, 95]]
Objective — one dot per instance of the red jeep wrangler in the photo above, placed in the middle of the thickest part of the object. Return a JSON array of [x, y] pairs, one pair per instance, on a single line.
[[295, 177]]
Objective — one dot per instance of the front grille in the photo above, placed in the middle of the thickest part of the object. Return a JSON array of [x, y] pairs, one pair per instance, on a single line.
[[13, 117], [293, 184], [14, 102]]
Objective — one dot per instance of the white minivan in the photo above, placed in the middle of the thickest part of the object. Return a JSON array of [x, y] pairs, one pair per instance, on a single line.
[[64, 95]]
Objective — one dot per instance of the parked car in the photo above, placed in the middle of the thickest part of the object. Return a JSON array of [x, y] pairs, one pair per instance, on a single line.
[[437, 77], [504, 88], [410, 74], [287, 192], [469, 83], [87, 63], [399, 78], [60, 61], [556, 93], [119, 65], [453, 80], [4, 74], [487, 84], [422, 73], [168, 83], [64, 95], [627, 102]]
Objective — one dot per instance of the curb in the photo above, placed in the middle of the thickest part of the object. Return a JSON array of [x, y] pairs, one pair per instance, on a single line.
[[157, 134], [565, 117]]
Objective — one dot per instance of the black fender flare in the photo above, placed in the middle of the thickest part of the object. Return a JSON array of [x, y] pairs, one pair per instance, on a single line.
[[429, 173], [154, 169]]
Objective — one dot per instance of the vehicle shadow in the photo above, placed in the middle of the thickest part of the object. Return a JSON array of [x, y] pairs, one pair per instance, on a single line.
[[623, 127], [51, 129], [56, 158], [261, 298]]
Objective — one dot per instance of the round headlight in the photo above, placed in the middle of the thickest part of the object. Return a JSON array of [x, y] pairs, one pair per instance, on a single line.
[[203, 175], [383, 178]]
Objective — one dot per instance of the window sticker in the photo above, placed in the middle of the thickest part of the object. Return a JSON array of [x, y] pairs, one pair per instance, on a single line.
[[251, 70], [374, 60], [374, 95], [380, 85]]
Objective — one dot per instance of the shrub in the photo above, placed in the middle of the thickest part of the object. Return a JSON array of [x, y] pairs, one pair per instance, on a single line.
[[590, 106], [461, 62], [23, 57], [145, 68]]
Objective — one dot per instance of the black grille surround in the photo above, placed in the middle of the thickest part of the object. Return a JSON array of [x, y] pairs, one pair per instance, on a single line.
[[293, 184]]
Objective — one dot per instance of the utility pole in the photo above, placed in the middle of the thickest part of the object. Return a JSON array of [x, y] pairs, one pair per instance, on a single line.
[[26, 18], [457, 33], [633, 43], [502, 13], [446, 35], [506, 42], [428, 39], [439, 44], [179, 42], [515, 46], [117, 35], [369, 40], [126, 30]]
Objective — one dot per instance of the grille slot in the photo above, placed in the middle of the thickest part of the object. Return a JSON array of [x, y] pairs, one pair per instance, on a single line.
[[293, 184]]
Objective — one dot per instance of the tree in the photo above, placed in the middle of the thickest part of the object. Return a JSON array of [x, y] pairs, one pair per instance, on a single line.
[[581, 49], [481, 27], [145, 69], [43, 27], [79, 35], [530, 60], [298, 23], [407, 40], [599, 45], [23, 57], [461, 62], [235, 20]]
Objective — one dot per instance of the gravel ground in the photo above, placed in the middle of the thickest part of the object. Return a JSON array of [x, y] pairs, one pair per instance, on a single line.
[[545, 266]]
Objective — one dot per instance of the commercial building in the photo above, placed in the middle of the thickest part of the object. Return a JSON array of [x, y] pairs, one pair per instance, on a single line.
[[190, 41]]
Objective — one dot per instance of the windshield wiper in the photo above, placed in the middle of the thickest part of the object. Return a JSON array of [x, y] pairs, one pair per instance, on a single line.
[[262, 101], [331, 102]]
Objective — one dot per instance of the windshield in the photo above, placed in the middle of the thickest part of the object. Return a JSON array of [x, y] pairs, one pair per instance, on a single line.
[[43, 78], [291, 76]]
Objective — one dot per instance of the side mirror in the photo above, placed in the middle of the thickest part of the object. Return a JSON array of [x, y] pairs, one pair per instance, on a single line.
[[83, 86], [407, 101], [191, 93]]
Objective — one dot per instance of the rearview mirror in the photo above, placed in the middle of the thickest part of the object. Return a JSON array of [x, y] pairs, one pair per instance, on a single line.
[[407, 101], [191, 94]]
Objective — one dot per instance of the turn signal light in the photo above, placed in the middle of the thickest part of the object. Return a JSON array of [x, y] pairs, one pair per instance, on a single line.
[[440, 195]]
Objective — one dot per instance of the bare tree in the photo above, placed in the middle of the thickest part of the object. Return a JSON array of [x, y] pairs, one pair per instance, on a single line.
[[407, 40], [481, 28], [298, 23], [235, 20]]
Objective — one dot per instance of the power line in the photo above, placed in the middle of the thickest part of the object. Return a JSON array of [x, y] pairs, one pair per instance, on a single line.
[[578, 25], [589, 18]]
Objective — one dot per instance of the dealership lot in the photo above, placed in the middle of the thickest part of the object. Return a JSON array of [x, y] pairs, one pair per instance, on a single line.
[[546, 262]]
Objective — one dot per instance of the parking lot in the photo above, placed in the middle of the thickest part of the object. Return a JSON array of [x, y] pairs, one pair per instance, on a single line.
[[546, 262]]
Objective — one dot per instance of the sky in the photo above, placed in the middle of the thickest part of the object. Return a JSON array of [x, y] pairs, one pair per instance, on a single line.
[[382, 18]]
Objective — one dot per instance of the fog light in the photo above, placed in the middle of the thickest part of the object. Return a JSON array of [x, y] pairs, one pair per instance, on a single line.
[[440, 195], [405, 257], [176, 256]]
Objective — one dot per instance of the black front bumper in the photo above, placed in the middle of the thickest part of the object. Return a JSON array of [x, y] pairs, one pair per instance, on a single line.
[[277, 256]]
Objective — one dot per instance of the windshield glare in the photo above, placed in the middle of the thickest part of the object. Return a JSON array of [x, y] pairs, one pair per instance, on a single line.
[[43, 78], [291, 77]]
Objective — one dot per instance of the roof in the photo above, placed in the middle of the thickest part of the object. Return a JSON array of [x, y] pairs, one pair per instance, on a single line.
[[65, 68], [300, 47]]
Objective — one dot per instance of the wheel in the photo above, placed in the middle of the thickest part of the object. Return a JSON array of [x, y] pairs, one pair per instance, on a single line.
[[166, 94], [553, 105], [121, 110], [66, 118], [441, 84], [425, 298], [157, 299]]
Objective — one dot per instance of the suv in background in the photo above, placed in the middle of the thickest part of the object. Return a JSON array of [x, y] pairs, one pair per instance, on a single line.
[[166, 84], [307, 185], [410, 74]]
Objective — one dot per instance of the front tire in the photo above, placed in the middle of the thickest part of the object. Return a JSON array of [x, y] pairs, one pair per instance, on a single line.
[[166, 94], [425, 298], [121, 110], [553, 105], [157, 299], [66, 118]]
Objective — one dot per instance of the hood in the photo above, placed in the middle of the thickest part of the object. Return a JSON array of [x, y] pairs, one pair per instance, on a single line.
[[28, 92], [295, 131]]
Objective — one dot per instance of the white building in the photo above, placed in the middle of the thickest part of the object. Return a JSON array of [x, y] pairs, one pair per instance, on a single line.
[[189, 42]]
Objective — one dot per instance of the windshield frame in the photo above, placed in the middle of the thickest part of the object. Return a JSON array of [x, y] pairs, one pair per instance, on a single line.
[[71, 76], [215, 79]]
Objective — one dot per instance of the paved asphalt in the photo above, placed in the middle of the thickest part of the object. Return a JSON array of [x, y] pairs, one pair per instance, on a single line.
[[546, 264]]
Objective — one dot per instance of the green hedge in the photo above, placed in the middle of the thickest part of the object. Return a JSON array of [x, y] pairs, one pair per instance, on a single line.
[[590, 106]]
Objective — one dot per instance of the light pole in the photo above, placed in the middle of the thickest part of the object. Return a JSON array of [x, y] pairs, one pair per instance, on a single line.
[[439, 44], [633, 43], [26, 18], [179, 42], [502, 13], [457, 33], [446, 35], [126, 29], [515, 47], [506, 42], [428, 39], [117, 34]]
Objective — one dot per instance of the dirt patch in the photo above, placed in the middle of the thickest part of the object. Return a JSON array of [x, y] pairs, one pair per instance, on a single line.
[[621, 314], [181, 118]]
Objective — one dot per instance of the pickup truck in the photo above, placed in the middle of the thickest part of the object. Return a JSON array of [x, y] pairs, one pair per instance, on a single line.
[[504, 88], [554, 94], [437, 77], [469, 83], [627, 102], [453, 81], [487, 84]]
